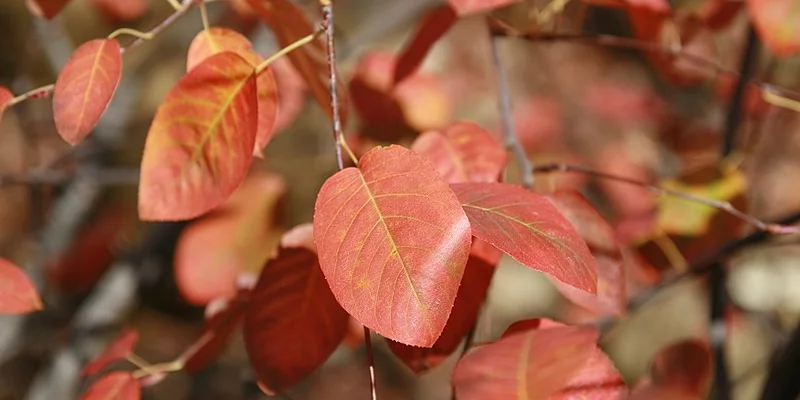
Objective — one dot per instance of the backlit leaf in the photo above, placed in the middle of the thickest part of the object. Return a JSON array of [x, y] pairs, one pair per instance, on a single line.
[[216, 40], [200, 144], [118, 349], [46, 8], [435, 24], [776, 24], [530, 229], [463, 152], [114, 386], [289, 24], [294, 322], [17, 293], [84, 88], [213, 250], [466, 7], [393, 242], [217, 331], [611, 297], [5, 98], [528, 365], [471, 295]]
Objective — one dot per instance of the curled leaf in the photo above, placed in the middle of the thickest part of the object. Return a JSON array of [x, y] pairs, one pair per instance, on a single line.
[[392, 229], [84, 88], [17, 293], [200, 144]]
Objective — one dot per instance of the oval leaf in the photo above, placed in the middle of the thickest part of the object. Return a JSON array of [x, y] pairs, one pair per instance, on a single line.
[[393, 242], [116, 386], [463, 152], [200, 144], [531, 365], [436, 23], [84, 88], [294, 322], [119, 348], [530, 229], [5, 99], [17, 293]]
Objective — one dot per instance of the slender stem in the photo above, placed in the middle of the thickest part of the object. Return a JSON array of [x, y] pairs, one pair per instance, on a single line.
[[38, 93], [371, 362], [720, 205], [288, 49], [328, 24], [509, 132], [137, 361], [184, 7], [174, 4], [204, 16], [131, 32], [172, 366]]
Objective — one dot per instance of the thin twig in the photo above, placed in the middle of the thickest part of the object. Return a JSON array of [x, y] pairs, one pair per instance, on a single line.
[[328, 23], [725, 206], [371, 362], [510, 138], [290, 48]]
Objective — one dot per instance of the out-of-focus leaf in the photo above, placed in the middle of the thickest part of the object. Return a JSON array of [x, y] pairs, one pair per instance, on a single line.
[[435, 24], [219, 327], [5, 98], [84, 88], [467, 7], [530, 364], [216, 40], [392, 229], [116, 385], [530, 229], [212, 251], [118, 349], [463, 152], [289, 24], [17, 293], [680, 371], [776, 24], [294, 322], [46, 8], [200, 145], [123, 11]]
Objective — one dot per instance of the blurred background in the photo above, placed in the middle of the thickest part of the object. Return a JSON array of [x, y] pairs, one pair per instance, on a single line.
[[72, 222]]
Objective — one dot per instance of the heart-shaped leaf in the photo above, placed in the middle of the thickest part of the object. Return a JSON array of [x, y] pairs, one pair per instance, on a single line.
[[216, 40], [116, 386], [463, 152], [17, 293], [527, 227], [393, 242], [84, 88], [118, 349], [294, 322], [200, 144]]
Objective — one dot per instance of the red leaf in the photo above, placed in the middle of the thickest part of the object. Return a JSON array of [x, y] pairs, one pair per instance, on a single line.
[[466, 7], [463, 152], [122, 11], [776, 24], [216, 40], [392, 229], [114, 386], [611, 297], [216, 333], [212, 251], [5, 99], [17, 293], [530, 229], [294, 323], [681, 371], [531, 365], [471, 294], [289, 24], [84, 88], [435, 24], [45, 8], [200, 144], [118, 349]]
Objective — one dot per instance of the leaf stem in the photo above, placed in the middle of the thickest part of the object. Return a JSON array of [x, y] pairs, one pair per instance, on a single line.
[[509, 132], [288, 49], [38, 93], [336, 120], [174, 4], [167, 367], [371, 362], [138, 362], [343, 144], [204, 16], [131, 32]]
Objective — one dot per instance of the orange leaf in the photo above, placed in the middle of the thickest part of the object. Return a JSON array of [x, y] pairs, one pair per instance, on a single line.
[[116, 386], [84, 88], [17, 293], [393, 243], [5, 98], [530, 229], [212, 251], [294, 322], [467, 7], [118, 349], [463, 152], [122, 11], [289, 24], [45, 8], [215, 40], [598, 234], [776, 24], [532, 364], [436, 23], [471, 294], [200, 144]]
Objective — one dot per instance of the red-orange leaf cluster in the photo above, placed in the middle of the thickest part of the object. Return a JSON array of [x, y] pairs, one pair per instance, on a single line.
[[116, 386], [17, 293], [84, 88], [199, 147], [118, 349]]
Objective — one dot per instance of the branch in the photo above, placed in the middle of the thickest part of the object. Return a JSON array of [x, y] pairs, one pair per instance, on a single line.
[[782, 382]]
